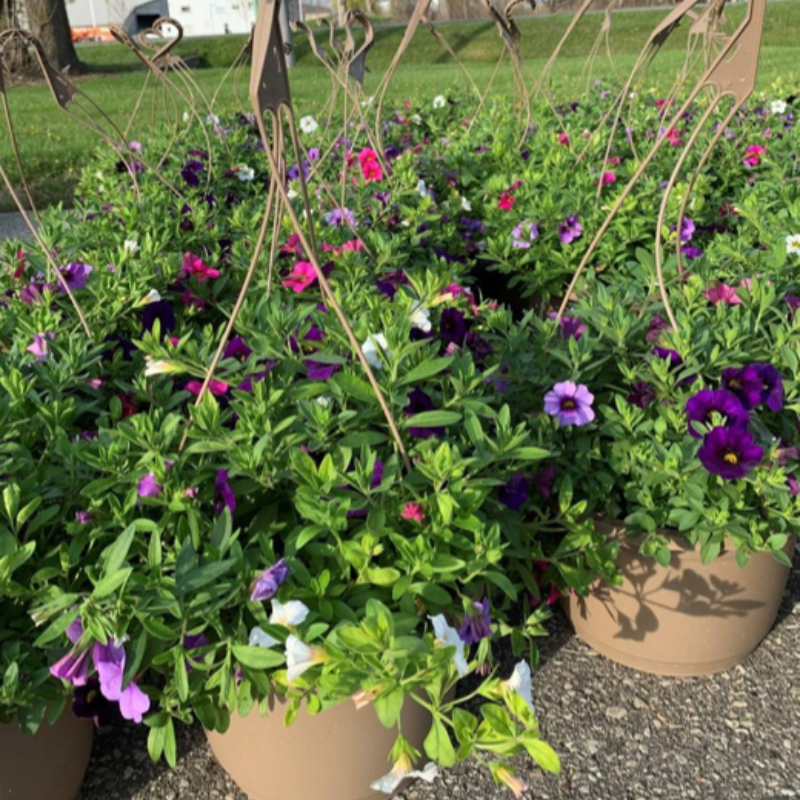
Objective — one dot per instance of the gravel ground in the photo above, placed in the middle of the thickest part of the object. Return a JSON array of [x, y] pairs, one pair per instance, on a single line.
[[622, 735], [12, 226]]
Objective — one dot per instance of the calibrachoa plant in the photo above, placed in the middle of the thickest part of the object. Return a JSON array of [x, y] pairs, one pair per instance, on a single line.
[[165, 557]]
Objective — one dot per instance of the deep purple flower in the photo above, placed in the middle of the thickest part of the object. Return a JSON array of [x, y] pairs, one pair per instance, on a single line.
[[691, 252], [418, 402], [570, 229], [729, 452], [223, 493], [238, 349], [149, 486], [317, 371], [745, 383], [476, 626], [657, 325], [479, 347], [109, 661], [793, 484], [266, 585], [161, 310], [514, 494], [88, 703], [701, 406], [642, 394], [570, 327], [571, 404], [543, 481], [191, 171], [453, 327], [247, 383], [771, 386], [377, 475], [75, 275]]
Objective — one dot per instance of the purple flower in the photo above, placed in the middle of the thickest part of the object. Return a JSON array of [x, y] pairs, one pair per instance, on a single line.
[[341, 216], [570, 229], [75, 275], [642, 394], [543, 481], [238, 349], [771, 386], [480, 348], [570, 327], [476, 626], [40, 347], [453, 326], [317, 371], [755, 384], [687, 230], [729, 452], [194, 642], [418, 402], [109, 661], [691, 252], [74, 666], [515, 493], [223, 494], [88, 703], [161, 310], [149, 486], [701, 406], [657, 325], [793, 484], [191, 171], [84, 517], [571, 404], [266, 585], [377, 475], [524, 234], [247, 383]]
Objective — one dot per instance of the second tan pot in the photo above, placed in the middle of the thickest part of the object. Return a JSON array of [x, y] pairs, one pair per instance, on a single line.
[[685, 619], [49, 765], [334, 755]]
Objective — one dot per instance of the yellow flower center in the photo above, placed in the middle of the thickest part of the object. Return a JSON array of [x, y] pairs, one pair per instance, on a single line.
[[731, 458], [568, 404]]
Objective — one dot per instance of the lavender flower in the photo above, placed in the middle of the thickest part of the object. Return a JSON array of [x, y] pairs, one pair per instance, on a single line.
[[477, 625], [266, 585], [571, 404], [570, 229], [524, 234]]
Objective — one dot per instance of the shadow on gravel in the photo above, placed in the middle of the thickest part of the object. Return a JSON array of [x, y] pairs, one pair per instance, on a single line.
[[791, 597]]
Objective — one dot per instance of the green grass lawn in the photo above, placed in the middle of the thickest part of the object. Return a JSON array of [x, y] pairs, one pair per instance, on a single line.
[[55, 147]]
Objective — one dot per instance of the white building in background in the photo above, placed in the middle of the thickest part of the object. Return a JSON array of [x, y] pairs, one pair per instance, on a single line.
[[198, 17]]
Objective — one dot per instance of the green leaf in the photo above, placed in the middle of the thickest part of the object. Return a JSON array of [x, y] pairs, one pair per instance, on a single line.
[[353, 386], [257, 657], [383, 576], [110, 583], [389, 705], [542, 754], [116, 554], [432, 419], [170, 746], [438, 745], [426, 370], [201, 576]]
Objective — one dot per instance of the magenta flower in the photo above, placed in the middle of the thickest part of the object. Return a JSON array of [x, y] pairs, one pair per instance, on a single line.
[[371, 169], [570, 230], [752, 156], [194, 266], [729, 452], [701, 406], [109, 661], [722, 293], [223, 493], [563, 139], [266, 585], [215, 387], [506, 201], [301, 277], [40, 347], [607, 178], [149, 486], [476, 625], [571, 404], [413, 512]]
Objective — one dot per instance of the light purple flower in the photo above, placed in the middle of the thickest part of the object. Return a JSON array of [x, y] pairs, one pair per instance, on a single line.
[[524, 234], [342, 216], [109, 661], [74, 666], [149, 486], [571, 404], [570, 229], [266, 585], [75, 275], [40, 348], [84, 517]]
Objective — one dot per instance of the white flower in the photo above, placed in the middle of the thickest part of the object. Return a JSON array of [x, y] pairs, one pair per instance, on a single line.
[[288, 614], [291, 194], [151, 297], [448, 637], [131, 247], [323, 400], [186, 116], [300, 657], [422, 189], [245, 174], [212, 119], [465, 204], [308, 124], [402, 770], [259, 638], [420, 317], [154, 367], [416, 119], [793, 244], [521, 683], [376, 349], [778, 106], [439, 101], [367, 101]]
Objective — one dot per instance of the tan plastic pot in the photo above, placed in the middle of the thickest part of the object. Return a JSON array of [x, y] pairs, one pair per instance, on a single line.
[[685, 619], [49, 765], [334, 755]]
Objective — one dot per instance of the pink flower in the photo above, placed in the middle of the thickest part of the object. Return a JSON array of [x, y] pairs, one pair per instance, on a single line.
[[674, 137], [217, 388], [506, 202], [753, 155], [563, 138], [607, 178], [413, 511], [301, 277], [195, 266], [613, 161], [371, 168], [722, 293]]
